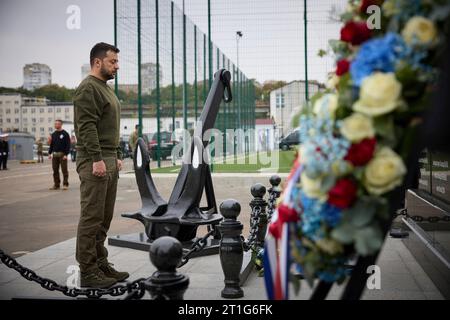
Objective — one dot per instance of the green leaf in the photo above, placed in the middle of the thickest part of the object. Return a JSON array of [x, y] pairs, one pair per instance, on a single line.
[[309, 271], [384, 127], [361, 213], [295, 283], [327, 182], [321, 53], [368, 240], [343, 233]]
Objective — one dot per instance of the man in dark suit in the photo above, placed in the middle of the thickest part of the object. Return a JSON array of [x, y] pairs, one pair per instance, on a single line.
[[4, 152]]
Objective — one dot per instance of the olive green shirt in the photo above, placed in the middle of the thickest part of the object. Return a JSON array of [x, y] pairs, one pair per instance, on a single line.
[[133, 140], [97, 119]]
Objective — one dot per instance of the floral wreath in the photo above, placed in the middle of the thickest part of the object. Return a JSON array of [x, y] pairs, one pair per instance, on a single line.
[[357, 136]]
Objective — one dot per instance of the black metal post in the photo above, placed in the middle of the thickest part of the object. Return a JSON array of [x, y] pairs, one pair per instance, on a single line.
[[258, 191], [166, 283], [274, 193], [231, 248]]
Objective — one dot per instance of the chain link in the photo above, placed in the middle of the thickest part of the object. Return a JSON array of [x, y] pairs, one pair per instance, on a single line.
[[273, 195], [136, 287], [198, 245], [431, 219], [255, 219]]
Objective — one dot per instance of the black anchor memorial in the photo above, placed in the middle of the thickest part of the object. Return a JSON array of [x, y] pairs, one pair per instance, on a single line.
[[181, 215]]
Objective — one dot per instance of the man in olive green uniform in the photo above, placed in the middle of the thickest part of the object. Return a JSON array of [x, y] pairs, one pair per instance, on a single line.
[[99, 159]]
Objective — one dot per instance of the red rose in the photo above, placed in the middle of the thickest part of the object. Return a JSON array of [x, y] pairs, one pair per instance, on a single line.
[[360, 153], [342, 67], [343, 194], [355, 32], [367, 3]]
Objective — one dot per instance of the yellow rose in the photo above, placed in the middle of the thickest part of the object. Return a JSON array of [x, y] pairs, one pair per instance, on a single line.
[[384, 172], [312, 187], [379, 94], [357, 127], [326, 105], [419, 30], [388, 8]]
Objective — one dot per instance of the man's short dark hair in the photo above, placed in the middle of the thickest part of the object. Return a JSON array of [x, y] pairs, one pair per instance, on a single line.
[[100, 49], [59, 120]]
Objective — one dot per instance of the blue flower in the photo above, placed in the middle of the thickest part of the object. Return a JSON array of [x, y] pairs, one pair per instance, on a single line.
[[379, 54]]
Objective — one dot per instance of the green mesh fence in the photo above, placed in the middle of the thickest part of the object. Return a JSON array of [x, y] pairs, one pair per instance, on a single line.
[[167, 92]]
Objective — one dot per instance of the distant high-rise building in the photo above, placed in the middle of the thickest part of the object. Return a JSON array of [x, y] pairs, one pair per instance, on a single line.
[[36, 75], [85, 69]]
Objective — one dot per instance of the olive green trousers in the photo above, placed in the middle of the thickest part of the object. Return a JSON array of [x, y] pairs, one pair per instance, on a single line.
[[97, 199]]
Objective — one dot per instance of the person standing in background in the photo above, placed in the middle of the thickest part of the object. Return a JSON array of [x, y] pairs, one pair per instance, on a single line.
[[58, 151], [4, 152], [40, 151], [73, 148], [133, 139]]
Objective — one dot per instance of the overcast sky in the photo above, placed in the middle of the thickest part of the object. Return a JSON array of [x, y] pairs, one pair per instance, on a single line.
[[271, 46]]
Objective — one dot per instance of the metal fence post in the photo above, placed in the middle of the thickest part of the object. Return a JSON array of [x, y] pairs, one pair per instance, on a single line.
[[166, 283], [231, 248]]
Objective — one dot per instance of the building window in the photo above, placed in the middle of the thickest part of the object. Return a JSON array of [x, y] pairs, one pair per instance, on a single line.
[[33, 129], [8, 111], [24, 110], [50, 110], [16, 102], [16, 120], [25, 129], [33, 110], [16, 111], [1, 102], [50, 119], [1, 120], [279, 100], [66, 110], [8, 120], [58, 110], [50, 129], [33, 120], [41, 110], [42, 129]]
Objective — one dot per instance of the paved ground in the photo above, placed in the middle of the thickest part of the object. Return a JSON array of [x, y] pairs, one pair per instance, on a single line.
[[401, 275], [40, 225], [33, 217]]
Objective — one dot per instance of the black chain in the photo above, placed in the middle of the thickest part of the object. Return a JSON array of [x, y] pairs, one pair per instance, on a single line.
[[198, 245], [431, 219], [255, 219], [273, 195], [135, 288]]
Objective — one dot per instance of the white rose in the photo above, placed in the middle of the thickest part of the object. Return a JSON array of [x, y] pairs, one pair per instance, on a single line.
[[419, 30], [357, 127], [326, 106], [379, 94], [384, 172]]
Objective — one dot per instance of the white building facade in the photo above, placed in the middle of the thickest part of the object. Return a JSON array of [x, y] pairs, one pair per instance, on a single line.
[[33, 115], [287, 101], [36, 75]]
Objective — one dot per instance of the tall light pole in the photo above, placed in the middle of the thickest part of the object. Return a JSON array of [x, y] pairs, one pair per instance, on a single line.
[[238, 36]]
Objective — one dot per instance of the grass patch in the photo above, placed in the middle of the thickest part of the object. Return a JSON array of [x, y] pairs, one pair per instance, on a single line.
[[277, 162]]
